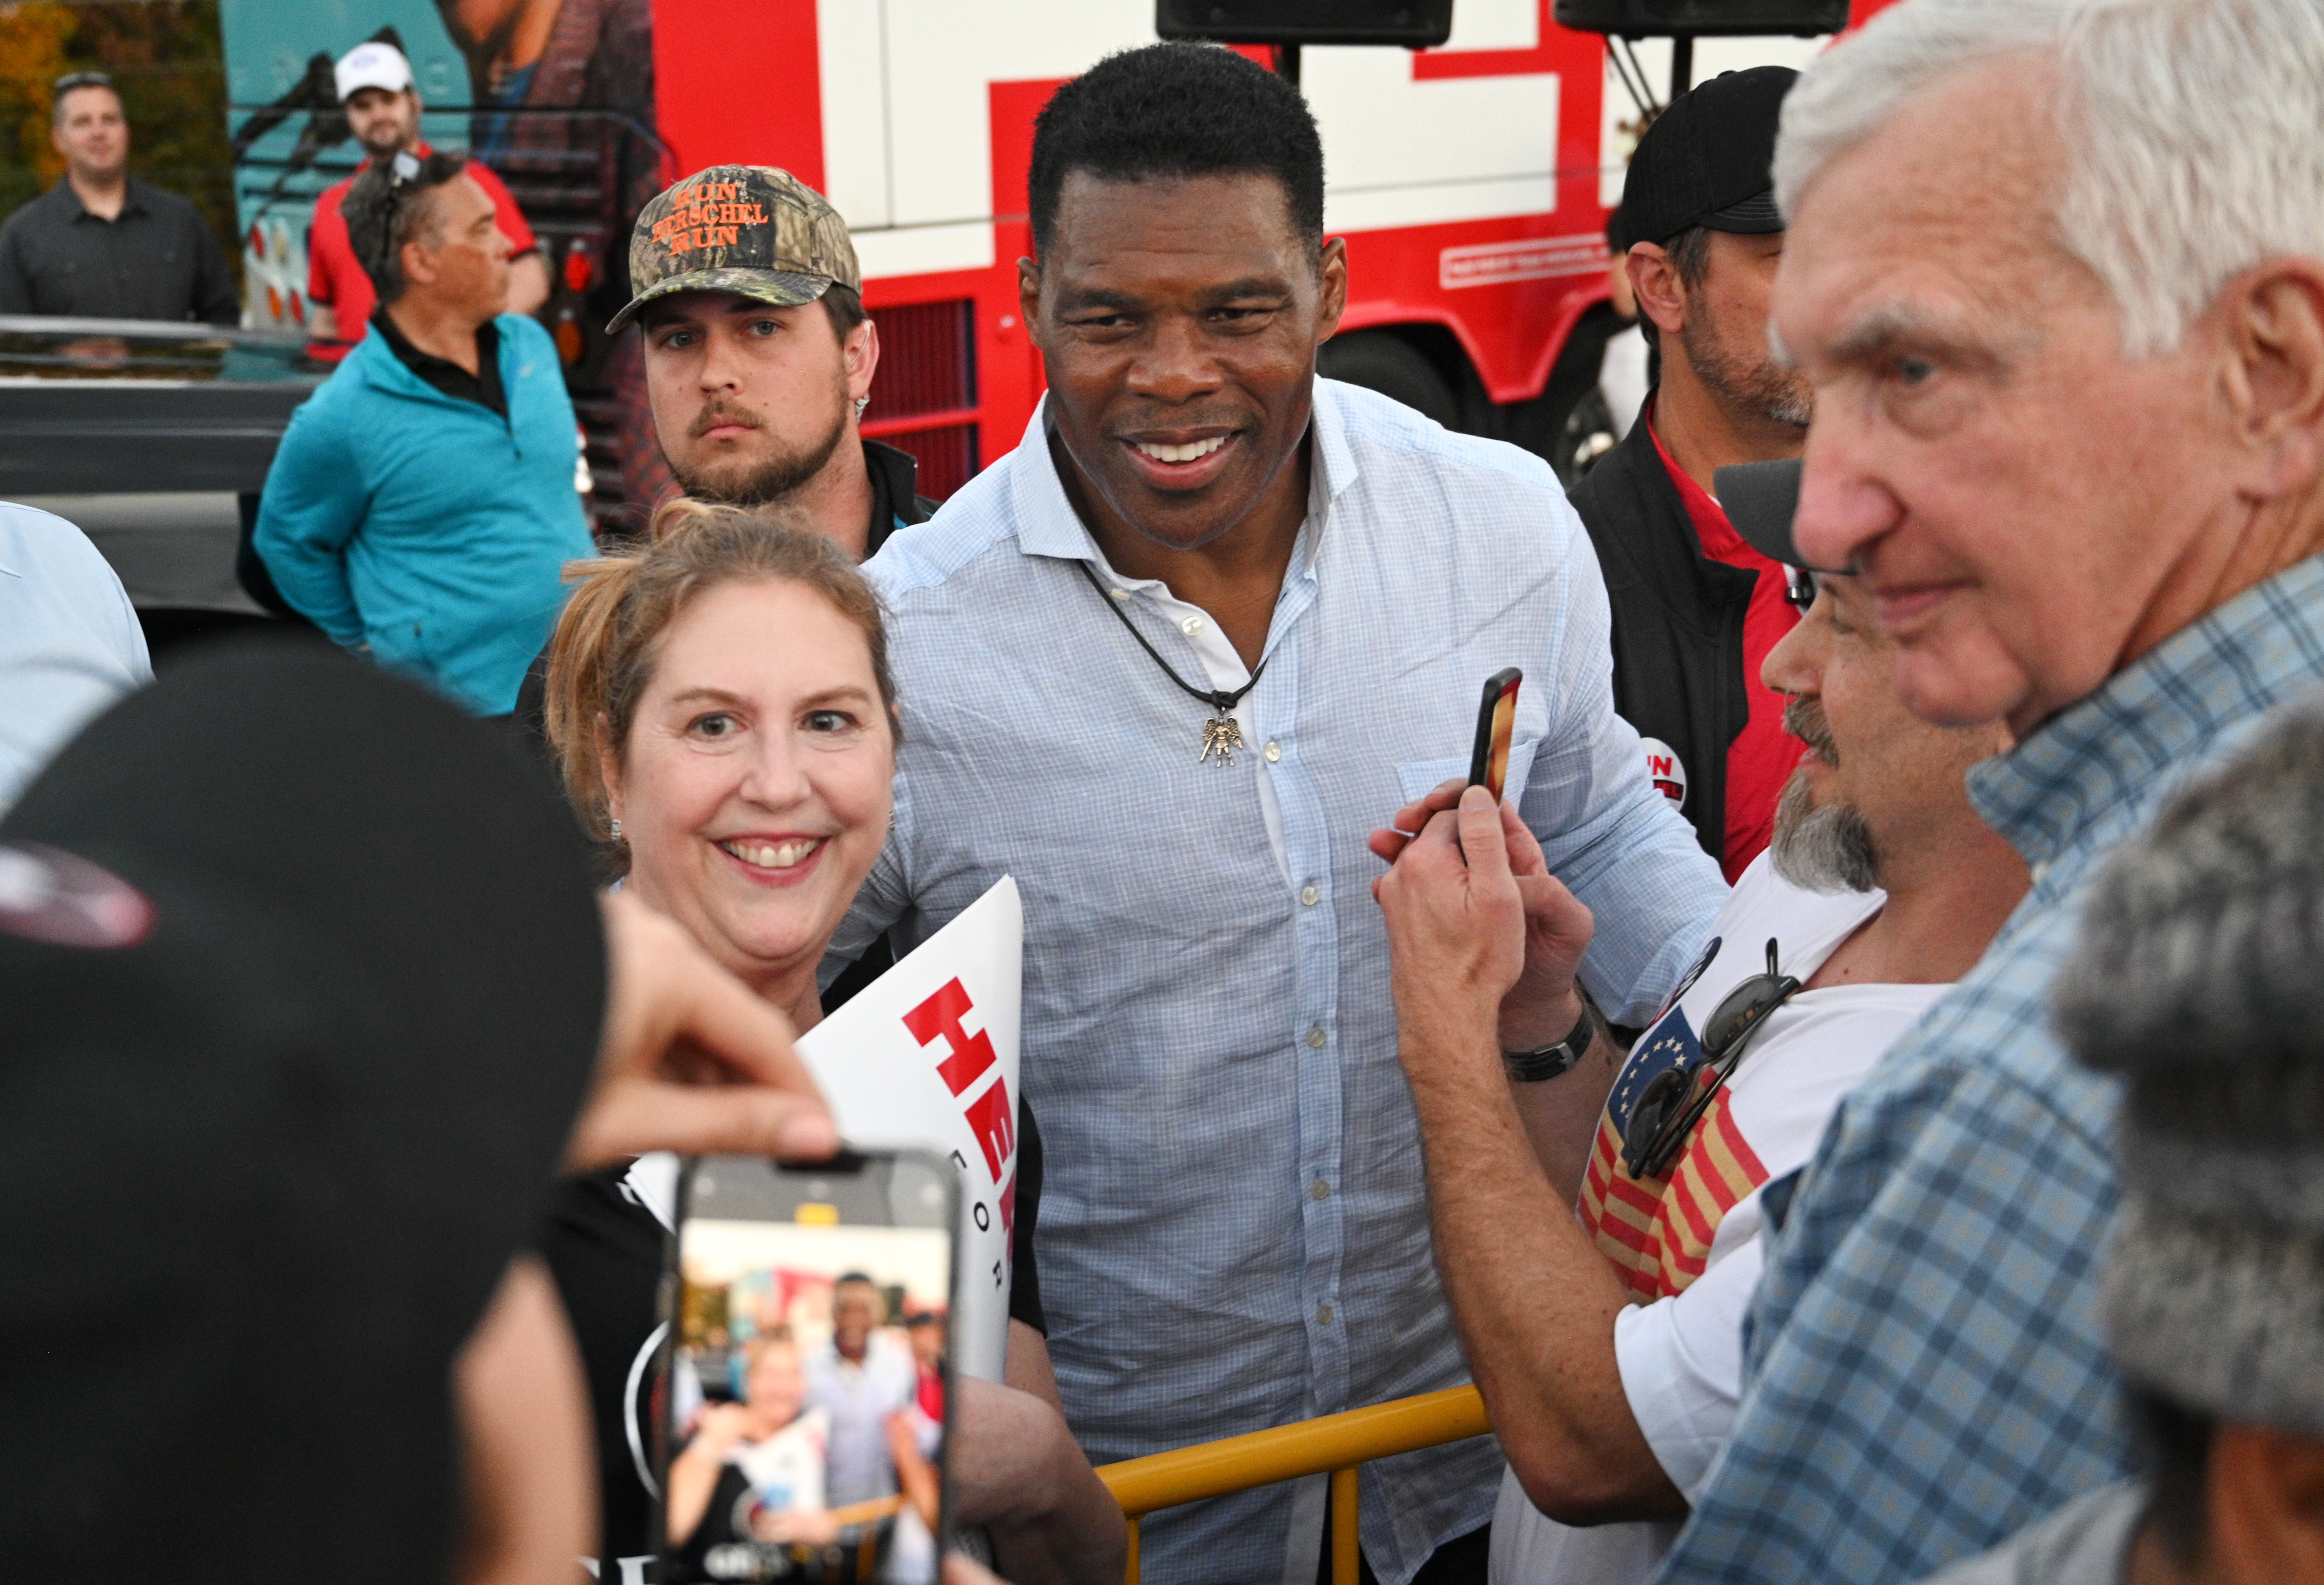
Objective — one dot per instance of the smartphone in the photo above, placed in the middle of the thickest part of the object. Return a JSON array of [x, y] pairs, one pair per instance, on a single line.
[[1497, 721], [806, 1380]]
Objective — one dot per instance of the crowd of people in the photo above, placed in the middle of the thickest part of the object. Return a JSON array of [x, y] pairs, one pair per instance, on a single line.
[[1851, 1110]]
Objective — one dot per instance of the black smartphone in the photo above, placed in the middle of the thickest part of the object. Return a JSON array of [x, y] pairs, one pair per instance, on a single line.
[[806, 1381], [1496, 721]]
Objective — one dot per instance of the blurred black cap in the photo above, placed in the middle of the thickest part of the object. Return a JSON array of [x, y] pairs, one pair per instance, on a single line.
[[1707, 161], [303, 978], [1760, 499]]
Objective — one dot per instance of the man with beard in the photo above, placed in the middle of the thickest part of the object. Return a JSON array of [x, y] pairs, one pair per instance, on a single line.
[[1696, 609], [383, 108], [759, 354], [1608, 1343], [759, 360]]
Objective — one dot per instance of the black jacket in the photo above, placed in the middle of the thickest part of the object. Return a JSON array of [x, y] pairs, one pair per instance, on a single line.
[[1678, 623], [896, 500]]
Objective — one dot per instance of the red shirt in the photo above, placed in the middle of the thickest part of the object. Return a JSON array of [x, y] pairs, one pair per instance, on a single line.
[[336, 280], [1762, 756]]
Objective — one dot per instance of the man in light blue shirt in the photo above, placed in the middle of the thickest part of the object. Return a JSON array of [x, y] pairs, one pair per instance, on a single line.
[[1167, 664], [70, 641]]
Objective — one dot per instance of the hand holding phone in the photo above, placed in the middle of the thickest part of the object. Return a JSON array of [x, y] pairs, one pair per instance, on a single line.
[[1496, 721]]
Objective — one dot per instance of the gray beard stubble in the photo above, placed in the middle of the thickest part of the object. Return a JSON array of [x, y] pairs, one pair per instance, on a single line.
[[1759, 383], [1829, 849]]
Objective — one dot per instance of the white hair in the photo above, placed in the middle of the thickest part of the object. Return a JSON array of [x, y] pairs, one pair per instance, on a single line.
[[2193, 131]]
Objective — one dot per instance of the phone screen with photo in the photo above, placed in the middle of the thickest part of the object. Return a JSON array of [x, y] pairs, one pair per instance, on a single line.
[[807, 1375], [1496, 723]]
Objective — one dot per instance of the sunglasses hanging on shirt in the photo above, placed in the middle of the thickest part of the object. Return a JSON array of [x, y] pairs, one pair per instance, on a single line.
[[1675, 1099]]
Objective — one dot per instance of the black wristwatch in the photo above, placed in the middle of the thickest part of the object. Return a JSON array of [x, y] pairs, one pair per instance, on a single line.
[[1548, 1061]]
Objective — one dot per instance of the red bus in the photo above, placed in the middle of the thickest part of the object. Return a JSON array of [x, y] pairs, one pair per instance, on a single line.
[[1472, 183]]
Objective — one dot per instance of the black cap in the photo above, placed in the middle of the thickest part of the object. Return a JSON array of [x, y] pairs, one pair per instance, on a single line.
[[1707, 161], [303, 976], [1760, 499]]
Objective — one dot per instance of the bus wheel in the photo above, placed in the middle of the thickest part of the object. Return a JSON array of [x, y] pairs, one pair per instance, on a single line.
[[1567, 425], [1382, 361]]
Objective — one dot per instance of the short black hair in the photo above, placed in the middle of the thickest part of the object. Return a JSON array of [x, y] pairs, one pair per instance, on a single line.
[[1176, 110], [382, 214]]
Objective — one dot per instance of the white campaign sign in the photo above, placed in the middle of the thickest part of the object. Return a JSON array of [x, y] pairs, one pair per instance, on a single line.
[[926, 1057]]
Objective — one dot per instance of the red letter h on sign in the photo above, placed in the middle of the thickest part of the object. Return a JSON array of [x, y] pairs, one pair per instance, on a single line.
[[989, 1115], [940, 1014]]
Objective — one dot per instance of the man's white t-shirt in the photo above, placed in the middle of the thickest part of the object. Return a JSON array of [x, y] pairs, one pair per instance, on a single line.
[[1688, 1246]]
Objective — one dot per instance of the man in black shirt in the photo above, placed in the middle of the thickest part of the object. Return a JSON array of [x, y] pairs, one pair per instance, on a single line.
[[1695, 608], [102, 245]]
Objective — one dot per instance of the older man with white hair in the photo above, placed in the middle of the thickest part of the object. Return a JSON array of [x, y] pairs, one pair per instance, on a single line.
[[2055, 270]]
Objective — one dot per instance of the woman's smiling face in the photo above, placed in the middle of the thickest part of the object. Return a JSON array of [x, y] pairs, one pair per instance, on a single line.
[[755, 789]]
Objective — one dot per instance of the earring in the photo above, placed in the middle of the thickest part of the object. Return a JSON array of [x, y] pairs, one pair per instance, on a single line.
[[617, 829], [861, 403]]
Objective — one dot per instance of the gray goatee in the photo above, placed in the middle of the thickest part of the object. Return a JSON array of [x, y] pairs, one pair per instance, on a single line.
[[1829, 849]]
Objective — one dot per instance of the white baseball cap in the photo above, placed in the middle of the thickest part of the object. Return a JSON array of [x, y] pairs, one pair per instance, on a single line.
[[372, 65]]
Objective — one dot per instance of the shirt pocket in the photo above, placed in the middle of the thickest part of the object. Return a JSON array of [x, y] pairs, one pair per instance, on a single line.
[[1418, 778]]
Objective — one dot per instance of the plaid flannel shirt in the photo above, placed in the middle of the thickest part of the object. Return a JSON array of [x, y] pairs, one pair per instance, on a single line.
[[1924, 1370]]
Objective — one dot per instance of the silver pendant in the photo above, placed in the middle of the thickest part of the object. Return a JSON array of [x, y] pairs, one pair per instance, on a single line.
[[1221, 735]]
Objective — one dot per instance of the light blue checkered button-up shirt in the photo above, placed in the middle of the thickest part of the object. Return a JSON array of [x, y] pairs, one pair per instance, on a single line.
[[1232, 1228], [1924, 1374]]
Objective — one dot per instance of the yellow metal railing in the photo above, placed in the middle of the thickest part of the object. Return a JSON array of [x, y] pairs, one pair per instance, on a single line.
[[1336, 1444]]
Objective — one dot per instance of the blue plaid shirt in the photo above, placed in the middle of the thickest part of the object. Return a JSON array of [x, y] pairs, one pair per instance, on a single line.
[[1924, 1370], [1234, 1232]]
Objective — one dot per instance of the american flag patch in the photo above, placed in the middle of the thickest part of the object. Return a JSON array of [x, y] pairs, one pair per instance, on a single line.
[[1657, 1232]]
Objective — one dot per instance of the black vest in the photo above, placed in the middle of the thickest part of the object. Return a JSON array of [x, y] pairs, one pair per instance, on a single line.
[[1678, 623]]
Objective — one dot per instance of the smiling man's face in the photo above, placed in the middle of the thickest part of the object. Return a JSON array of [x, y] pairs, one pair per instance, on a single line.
[[1179, 320], [2014, 489]]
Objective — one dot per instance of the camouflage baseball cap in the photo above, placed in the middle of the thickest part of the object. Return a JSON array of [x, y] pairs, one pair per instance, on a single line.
[[749, 229]]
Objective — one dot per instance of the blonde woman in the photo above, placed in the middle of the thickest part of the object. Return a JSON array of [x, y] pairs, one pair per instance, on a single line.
[[725, 723]]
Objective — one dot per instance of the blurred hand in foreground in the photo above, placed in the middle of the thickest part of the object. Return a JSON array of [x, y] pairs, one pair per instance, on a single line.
[[690, 1060]]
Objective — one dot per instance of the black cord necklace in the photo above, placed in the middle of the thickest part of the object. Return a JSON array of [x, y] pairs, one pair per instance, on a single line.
[[1222, 733]]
